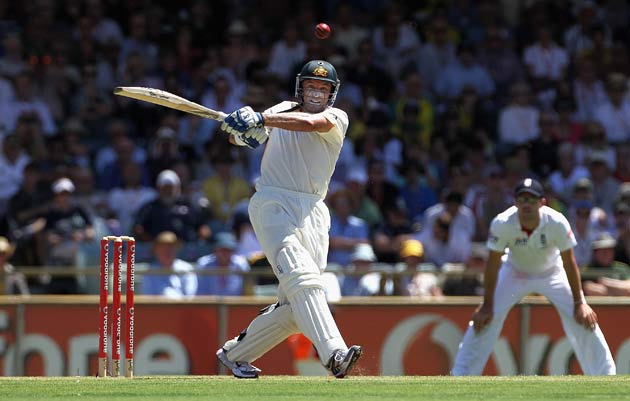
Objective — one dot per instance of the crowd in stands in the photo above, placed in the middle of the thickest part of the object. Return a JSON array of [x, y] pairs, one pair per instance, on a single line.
[[450, 103]]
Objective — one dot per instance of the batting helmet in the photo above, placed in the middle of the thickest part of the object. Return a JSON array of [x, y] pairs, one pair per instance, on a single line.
[[321, 71]]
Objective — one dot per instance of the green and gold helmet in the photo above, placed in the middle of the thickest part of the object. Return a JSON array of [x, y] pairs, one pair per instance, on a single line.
[[319, 70]]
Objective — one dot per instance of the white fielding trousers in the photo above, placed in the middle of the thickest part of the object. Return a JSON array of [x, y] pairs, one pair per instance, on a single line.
[[590, 346]]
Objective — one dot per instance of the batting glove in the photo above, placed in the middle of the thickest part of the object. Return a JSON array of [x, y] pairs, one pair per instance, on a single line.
[[253, 137], [241, 120]]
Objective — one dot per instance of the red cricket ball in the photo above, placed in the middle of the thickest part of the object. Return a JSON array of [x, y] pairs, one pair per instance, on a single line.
[[322, 30]]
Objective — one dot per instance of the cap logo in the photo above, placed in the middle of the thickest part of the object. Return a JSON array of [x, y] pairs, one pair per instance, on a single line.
[[320, 71], [527, 183]]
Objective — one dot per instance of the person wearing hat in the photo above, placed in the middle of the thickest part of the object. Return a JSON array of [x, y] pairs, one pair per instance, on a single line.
[[182, 280], [605, 185], [67, 226], [361, 263], [223, 258], [539, 243], [169, 212], [411, 281]]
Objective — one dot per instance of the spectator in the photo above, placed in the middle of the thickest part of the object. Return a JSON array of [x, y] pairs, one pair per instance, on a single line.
[[223, 189], [27, 100], [353, 283], [452, 202], [583, 229], [605, 186], [416, 192], [389, 236], [169, 212], [545, 60], [465, 72], [578, 37], [603, 263], [499, 58], [470, 283], [413, 114], [439, 52], [287, 52], [226, 260], [518, 121], [563, 179], [411, 280], [67, 226], [13, 161], [181, 282], [348, 33], [346, 230], [588, 90], [363, 206], [441, 245], [614, 115]]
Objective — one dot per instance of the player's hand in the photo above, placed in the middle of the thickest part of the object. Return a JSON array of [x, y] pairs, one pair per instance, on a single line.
[[241, 120], [255, 137], [585, 316], [482, 317]]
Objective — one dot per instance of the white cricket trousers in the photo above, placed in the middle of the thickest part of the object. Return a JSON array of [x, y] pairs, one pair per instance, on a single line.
[[590, 346], [292, 229]]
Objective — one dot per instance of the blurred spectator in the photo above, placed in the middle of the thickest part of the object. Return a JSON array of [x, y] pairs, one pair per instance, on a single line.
[[363, 206], [545, 60], [221, 95], [585, 232], [376, 83], [67, 226], [287, 52], [603, 261], [501, 61], [389, 236], [12, 61], [470, 281], [139, 42], [169, 212], [346, 230], [594, 141], [439, 52], [578, 37], [11, 282], [383, 193], [223, 189], [588, 90], [181, 282], [118, 137], [413, 114], [605, 186], [544, 149], [223, 258], [415, 192], [466, 71], [606, 286], [348, 33], [452, 202], [13, 160], [27, 100], [410, 280], [614, 115], [164, 151], [352, 283], [488, 199], [125, 201], [441, 245], [563, 179], [103, 27], [518, 121]]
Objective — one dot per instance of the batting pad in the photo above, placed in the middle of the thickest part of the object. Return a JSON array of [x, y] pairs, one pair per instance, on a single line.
[[313, 318], [266, 331]]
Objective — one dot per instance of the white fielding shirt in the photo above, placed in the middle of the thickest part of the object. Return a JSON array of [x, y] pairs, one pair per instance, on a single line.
[[302, 161], [538, 253]]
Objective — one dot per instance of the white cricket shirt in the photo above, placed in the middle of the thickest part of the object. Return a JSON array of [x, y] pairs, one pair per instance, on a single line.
[[537, 253], [302, 161]]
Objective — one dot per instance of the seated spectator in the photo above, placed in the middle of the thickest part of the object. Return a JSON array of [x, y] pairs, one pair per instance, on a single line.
[[584, 229], [470, 282], [182, 282], [605, 186], [361, 263], [545, 60], [416, 193], [346, 230], [464, 72], [518, 121], [389, 236], [562, 180], [588, 90], [223, 258], [124, 202], [224, 190], [606, 286], [364, 207], [603, 259], [169, 212], [67, 226], [11, 282], [410, 281], [27, 100], [614, 115], [452, 202], [164, 151], [443, 246], [13, 160]]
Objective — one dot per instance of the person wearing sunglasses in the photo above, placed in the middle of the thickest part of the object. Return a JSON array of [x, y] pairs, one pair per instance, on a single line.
[[539, 245]]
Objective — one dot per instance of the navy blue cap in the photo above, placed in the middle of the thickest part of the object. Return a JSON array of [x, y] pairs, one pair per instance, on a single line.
[[531, 186]]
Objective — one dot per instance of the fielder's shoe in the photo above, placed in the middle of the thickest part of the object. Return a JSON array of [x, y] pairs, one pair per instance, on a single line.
[[341, 363], [241, 370]]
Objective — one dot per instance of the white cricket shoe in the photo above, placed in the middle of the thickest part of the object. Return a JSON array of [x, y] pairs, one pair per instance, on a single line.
[[341, 363], [241, 370]]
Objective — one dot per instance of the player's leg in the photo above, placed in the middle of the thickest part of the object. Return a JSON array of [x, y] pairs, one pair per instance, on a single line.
[[475, 348], [275, 221], [272, 326], [590, 346]]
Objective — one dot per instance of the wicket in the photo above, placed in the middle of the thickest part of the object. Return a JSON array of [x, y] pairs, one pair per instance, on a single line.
[[103, 330]]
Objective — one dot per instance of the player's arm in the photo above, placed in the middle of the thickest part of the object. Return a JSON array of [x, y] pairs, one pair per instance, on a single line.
[[582, 312], [483, 314], [298, 121]]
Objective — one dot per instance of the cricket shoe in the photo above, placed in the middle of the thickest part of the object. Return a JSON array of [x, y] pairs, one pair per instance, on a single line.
[[241, 370], [341, 363]]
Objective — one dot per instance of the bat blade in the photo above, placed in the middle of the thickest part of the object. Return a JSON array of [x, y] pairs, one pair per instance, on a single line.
[[167, 99]]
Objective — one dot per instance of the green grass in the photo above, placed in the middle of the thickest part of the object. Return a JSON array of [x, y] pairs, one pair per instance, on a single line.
[[434, 388]]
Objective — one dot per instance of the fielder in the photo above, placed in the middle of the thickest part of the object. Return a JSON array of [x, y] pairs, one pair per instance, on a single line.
[[291, 220], [539, 259]]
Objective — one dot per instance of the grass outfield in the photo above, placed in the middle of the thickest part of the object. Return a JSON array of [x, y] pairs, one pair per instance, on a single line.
[[274, 388]]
